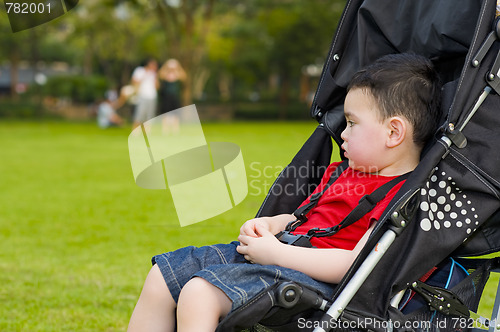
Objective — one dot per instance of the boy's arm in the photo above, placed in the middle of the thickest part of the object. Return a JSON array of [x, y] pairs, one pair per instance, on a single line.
[[273, 224], [328, 265]]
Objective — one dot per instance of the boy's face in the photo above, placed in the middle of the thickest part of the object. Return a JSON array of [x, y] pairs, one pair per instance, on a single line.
[[365, 136]]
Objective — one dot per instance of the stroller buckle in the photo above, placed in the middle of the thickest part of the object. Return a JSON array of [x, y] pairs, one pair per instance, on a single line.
[[298, 240], [442, 300]]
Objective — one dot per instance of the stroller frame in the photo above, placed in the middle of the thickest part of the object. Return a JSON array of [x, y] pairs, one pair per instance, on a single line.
[[400, 220]]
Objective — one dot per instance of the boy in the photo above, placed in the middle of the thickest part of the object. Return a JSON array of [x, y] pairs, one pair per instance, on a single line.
[[391, 110]]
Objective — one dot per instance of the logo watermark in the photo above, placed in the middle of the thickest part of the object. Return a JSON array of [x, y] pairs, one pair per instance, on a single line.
[[262, 178], [205, 179], [368, 323], [24, 14]]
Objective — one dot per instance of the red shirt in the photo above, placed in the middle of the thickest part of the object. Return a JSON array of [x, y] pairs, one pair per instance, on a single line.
[[336, 203]]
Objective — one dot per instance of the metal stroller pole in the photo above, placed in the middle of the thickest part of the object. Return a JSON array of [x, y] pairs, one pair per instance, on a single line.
[[357, 280], [399, 221]]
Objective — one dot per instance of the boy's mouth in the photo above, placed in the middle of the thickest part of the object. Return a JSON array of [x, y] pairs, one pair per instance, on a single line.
[[345, 150]]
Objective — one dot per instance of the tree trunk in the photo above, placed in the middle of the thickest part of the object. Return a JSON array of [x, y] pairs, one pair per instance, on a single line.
[[14, 72], [284, 96], [225, 86]]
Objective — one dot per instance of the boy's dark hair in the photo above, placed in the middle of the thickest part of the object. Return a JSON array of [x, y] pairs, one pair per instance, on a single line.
[[407, 85]]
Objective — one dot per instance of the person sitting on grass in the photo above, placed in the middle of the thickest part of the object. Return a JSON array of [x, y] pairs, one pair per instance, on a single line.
[[391, 110], [106, 112]]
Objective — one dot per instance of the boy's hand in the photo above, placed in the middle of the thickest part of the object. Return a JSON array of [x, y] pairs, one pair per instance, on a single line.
[[249, 228], [273, 224], [261, 248]]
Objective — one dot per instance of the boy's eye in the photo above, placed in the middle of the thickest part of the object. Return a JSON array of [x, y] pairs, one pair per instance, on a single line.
[[350, 123]]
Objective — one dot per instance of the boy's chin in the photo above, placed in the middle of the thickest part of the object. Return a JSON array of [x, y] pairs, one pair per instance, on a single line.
[[363, 168]]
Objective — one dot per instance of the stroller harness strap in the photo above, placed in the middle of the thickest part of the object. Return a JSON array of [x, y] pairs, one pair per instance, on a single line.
[[301, 212], [366, 204]]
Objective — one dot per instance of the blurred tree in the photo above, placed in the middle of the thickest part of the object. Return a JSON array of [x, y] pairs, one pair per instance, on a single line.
[[13, 47], [258, 40], [250, 42], [301, 33], [114, 37], [186, 24], [103, 37], [238, 48]]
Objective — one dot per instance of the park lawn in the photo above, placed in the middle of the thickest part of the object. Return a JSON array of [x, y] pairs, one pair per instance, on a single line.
[[77, 234]]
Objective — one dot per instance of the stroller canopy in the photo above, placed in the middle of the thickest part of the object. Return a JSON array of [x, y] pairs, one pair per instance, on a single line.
[[457, 184]]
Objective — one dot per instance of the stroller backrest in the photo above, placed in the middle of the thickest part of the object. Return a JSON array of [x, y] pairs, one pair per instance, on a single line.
[[440, 30], [458, 187]]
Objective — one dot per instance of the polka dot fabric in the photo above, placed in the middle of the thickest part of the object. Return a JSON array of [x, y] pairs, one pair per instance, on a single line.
[[444, 205]]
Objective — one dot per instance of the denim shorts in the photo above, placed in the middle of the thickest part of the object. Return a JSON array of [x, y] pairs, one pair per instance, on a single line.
[[225, 268]]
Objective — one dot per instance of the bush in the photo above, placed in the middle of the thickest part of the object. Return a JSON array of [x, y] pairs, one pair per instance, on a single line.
[[78, 88], [20, 109]]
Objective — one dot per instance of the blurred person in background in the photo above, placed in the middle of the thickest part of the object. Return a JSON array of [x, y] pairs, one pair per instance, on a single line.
[[106, 111], [144, 79], [171, 78]]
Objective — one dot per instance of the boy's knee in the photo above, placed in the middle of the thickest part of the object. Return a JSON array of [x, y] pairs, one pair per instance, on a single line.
[[155, 276], [155, 283], [198, 291], [194, 287]]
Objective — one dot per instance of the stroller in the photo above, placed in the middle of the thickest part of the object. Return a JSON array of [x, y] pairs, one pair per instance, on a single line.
[[448, 207]]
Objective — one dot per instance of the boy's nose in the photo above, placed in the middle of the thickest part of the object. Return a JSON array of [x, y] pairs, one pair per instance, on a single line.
[[343, 135]]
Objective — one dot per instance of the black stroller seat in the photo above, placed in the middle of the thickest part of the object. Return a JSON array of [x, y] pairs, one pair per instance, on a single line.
[[448, 207]]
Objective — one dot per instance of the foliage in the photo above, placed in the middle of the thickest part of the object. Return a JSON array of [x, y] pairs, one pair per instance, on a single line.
[[113, 38], [24, 108], [78, 88], [237, 49], [258, 42]]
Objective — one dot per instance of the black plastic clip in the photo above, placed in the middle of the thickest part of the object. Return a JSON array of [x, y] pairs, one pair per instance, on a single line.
[[442, 300], [298, 240], [405, 211], [492, 77], [488, 42], [456, 136], [318, 113]]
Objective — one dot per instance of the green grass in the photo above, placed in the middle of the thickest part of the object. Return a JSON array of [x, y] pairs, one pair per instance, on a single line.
[[76, 233]]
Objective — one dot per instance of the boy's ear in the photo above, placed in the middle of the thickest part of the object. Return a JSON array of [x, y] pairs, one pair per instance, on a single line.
[[397, 129]]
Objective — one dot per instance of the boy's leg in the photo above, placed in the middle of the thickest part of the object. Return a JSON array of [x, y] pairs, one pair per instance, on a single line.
[[200, 306], [155, 309]]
